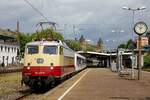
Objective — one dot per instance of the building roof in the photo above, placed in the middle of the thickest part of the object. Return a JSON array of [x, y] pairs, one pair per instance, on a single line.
[[8, 32]]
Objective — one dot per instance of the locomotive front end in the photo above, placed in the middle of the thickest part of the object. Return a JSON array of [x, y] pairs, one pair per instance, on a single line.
[[42, 64]]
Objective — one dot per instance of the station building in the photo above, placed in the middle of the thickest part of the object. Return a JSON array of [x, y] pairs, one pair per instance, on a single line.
[[9, 48]]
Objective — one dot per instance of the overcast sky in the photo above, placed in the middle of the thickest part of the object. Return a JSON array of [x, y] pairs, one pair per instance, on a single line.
[[91, 18]]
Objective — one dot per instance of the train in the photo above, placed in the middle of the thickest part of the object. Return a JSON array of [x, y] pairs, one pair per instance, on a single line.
[[48, 62]]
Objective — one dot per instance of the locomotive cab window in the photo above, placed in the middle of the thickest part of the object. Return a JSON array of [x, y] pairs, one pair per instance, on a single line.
[[50, 50], [32, 49], [61, 50]]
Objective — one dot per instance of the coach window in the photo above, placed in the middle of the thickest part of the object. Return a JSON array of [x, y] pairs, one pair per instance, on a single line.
[[50, 50], [61, 50], [32, 49]]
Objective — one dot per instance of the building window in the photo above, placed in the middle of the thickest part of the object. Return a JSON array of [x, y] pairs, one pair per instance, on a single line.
[[14, 49], [18, 51], [1, 48], [5, 48], [3, 60], [8, 49], [11, 49], [12, 60]]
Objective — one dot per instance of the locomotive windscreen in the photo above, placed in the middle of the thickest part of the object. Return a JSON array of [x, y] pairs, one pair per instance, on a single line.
[[50, 50], [32, 49]]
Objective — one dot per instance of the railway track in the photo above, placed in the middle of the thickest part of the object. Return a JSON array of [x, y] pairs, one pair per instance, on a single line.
[[17, 95], [25, 92], [24, 95], [9, 70]]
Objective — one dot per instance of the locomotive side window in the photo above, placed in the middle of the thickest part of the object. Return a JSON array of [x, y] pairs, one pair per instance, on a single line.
[[32, 49], [50, 50], [61, 50]]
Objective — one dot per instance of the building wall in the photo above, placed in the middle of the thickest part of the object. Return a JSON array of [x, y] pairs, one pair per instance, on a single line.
[[8, 54]]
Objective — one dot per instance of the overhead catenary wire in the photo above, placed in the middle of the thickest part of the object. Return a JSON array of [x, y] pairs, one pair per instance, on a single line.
[[35, 9]]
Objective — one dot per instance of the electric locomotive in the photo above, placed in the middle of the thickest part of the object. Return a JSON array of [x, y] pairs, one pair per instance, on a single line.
[[45, 62]]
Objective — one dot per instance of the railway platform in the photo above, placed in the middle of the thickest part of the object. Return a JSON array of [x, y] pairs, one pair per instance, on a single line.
[[101, 84]]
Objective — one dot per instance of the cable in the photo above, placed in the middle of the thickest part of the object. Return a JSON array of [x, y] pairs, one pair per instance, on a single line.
[[36, 10]]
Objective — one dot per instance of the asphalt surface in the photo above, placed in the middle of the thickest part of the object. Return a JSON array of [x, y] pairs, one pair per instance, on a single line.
[[102, 84]]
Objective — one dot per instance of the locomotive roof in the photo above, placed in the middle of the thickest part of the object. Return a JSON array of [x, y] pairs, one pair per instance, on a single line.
[[45, 43]]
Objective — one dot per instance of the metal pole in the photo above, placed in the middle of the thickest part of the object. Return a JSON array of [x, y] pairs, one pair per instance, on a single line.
[[110, 59], [111, 54], [139, 58], [132, 70], [18, 50]]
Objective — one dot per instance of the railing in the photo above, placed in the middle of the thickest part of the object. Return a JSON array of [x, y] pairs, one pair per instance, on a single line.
[[9, 43]]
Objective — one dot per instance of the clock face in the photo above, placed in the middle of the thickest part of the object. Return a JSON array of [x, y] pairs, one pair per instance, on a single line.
[[140, 28]]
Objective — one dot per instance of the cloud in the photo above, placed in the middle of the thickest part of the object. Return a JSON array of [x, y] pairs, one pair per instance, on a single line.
[[96, 17]]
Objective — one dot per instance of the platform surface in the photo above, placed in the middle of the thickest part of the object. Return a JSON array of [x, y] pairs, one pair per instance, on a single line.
[[102, 84]]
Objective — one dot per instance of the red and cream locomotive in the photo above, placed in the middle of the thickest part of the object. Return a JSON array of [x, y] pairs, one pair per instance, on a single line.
[[45, 62]]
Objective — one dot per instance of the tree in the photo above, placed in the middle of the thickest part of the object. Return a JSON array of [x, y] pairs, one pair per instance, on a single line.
[[23, 40], [148, 36], [90, 47], [122, 46], [129, 45], [73, 44], [47, 34], [147, 61]]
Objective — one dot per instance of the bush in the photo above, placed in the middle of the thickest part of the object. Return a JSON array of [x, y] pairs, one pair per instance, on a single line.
[[147, 61]]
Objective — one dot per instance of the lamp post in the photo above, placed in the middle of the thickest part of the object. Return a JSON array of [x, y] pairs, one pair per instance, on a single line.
[[119, 61], [133, 14], [111, 43], [117, 31], [133, 17]]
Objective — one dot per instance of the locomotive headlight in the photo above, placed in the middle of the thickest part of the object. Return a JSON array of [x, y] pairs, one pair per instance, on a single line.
[[28, 68], [51, 68]]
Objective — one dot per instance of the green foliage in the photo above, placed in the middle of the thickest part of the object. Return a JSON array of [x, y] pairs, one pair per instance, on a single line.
[[25, 38], [47, 34], [128, 45], [147, 61], [90, 47], [73, 44], [122, 46]]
